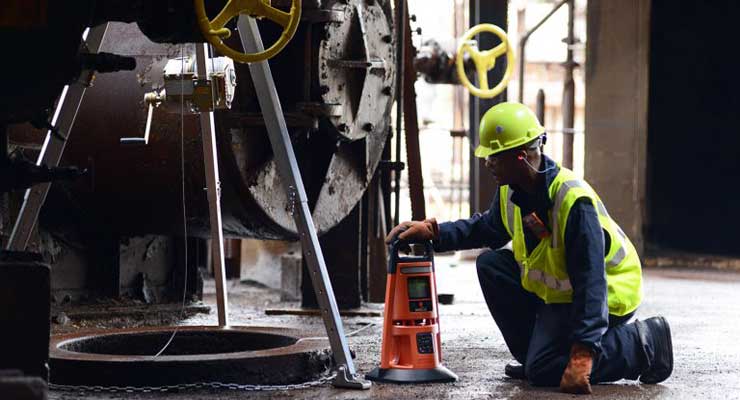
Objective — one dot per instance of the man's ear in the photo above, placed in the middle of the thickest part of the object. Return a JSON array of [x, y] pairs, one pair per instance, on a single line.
[[521, 154]]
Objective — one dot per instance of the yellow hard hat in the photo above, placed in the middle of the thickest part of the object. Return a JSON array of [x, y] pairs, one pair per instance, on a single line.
[[506, 126]]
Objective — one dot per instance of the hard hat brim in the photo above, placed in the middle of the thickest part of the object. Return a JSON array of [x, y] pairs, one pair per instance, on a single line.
[[483, 151]]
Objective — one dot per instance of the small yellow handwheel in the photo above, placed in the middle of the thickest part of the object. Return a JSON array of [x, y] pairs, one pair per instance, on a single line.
[[215, 31], [485, 60]]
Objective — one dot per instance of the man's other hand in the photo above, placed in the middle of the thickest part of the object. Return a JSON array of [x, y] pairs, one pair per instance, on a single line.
[[578, 372], [415, 231]]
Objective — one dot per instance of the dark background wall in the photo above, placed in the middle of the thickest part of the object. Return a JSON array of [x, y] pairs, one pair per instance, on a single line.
[[693, 154]]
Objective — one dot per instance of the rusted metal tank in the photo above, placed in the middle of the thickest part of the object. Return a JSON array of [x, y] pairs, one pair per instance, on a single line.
[[334, 81]]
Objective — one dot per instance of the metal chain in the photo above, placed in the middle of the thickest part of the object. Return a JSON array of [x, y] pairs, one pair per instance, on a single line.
[[191, 386]]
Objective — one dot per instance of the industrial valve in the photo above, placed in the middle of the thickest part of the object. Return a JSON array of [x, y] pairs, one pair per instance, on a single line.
[[484, 60], [215, 31]]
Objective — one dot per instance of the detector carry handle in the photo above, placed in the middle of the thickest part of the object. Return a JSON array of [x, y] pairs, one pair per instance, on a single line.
[[395, 256]]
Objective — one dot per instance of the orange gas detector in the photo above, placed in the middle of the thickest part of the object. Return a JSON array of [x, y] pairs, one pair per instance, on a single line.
[[411, 349]]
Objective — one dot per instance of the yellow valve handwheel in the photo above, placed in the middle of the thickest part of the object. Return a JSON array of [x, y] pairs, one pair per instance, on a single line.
[[215, 31], [484, 60]]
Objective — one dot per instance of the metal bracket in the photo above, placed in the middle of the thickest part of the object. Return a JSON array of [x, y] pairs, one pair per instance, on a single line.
[[349, 381], [293, 202], [203, 95], [387, 165]]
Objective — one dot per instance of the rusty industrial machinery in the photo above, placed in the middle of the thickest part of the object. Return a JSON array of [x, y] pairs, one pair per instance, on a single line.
[[120, 219], [334, 80]]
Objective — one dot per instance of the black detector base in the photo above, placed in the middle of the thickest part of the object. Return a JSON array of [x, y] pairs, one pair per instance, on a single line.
[[393, 375]]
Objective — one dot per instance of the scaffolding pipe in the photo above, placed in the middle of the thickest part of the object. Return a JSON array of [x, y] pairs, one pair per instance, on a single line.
[[523, 44], [400, 30], [540, 110], [569, 92]]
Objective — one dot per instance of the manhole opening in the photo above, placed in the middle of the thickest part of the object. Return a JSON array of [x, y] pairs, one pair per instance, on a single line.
[[184, 343]]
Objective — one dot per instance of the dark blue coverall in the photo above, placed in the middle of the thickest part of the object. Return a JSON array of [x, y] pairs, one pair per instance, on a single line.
[[540, 335]]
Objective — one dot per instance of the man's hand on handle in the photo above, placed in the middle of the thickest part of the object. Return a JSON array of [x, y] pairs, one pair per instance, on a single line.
[[578, 372], [415, 231]]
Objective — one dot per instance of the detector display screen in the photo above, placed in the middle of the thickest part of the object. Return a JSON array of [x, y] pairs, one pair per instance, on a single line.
[[419, 288]]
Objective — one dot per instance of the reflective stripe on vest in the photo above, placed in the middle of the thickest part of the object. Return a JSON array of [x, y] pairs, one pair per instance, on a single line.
[[621, 253], [510, 211], [546, 279], [560, 197]]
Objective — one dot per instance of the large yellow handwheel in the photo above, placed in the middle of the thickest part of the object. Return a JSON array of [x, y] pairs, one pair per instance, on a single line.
[[484, 61], [215, 31]]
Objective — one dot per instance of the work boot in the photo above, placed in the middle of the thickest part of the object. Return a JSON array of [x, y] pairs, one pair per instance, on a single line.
[[655, 335], [515, 370]]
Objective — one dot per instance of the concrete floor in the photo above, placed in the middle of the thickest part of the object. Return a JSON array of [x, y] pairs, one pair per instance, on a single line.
[[703, 308]]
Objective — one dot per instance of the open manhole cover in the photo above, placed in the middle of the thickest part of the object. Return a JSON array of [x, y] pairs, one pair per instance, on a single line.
[[254, 355]]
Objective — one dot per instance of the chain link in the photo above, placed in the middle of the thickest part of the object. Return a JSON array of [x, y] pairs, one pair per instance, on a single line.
[[191, 386]]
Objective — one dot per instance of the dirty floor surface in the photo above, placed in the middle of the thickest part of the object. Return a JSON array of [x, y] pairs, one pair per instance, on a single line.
[[702, 307]]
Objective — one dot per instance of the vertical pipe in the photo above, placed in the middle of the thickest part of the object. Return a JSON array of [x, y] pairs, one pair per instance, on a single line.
[[474, 116], [411, 130], [569, 93], [482, 190], [453, 175], [540, 110], [458, 123], [4, 161], [400, 30], [521, 24], [385, 182], [522, 62]]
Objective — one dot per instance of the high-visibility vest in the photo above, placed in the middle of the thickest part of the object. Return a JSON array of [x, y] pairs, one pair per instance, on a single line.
[[544, 272]]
